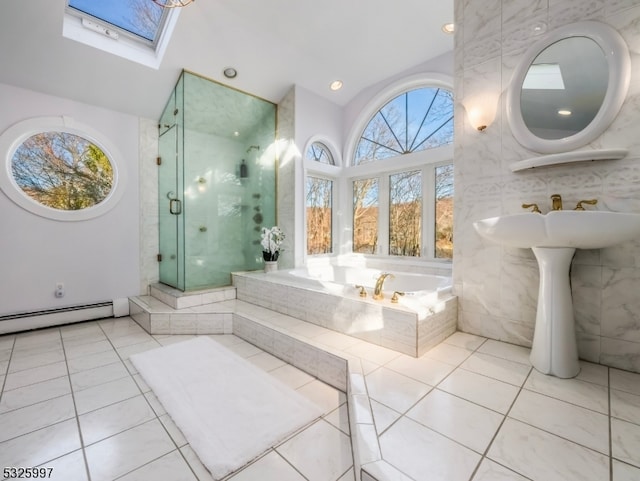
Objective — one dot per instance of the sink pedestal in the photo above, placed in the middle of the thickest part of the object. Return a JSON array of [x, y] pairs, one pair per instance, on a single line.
[[554, 350]]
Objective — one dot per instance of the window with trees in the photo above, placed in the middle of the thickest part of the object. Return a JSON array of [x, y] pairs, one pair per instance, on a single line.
[[319, 200], [403, 194], [62, 171], [59, 168], [365, 216], [319, 152], [416, 120]]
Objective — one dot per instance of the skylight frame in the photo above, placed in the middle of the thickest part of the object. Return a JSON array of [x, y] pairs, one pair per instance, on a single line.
[[71, 10], [125, 44]]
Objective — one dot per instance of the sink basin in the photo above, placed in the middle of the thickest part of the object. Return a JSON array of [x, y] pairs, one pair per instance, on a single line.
[[562, 228], [554, 238]]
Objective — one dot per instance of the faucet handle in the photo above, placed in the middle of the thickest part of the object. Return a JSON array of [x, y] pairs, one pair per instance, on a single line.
[[363, 292], [529, 206], [395, 299], [590, 202]]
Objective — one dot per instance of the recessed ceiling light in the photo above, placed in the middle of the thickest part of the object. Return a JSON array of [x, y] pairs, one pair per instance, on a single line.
[[448, 28], [230, 72], [564, 112], [236, 133], [336, 85]]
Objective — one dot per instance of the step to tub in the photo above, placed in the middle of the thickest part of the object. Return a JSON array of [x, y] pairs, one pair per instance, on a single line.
[[181, 300]]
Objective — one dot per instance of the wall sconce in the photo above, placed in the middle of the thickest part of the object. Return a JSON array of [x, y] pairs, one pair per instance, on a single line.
[[481, 109]]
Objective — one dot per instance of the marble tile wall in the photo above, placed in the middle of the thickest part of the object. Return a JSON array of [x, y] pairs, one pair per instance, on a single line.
[[149, 248], [497, 286], [288, 158]]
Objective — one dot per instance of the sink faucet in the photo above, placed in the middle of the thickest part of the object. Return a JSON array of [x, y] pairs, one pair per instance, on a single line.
[[556, 202], [377, 292]]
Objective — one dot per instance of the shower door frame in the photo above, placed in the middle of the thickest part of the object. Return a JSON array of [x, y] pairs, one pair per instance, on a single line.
[[170, 214]]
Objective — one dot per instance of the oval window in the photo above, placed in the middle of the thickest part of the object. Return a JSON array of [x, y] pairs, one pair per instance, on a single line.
[[61, 169]]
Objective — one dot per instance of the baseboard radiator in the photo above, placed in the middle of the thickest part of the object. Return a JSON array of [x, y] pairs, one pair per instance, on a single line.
[[26, 321]]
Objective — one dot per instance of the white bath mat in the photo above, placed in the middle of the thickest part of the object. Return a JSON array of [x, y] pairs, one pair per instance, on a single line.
[[229, 410]]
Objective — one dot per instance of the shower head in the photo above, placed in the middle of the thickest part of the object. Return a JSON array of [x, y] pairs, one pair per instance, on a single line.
[[257, 147]]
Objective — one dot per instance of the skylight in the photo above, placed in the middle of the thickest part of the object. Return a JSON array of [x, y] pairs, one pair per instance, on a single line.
[[139, 17], [135, 29]]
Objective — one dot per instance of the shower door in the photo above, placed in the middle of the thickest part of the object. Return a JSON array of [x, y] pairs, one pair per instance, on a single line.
[[170, 201]]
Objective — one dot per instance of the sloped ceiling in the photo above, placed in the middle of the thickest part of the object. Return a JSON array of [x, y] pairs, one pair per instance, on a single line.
[[273, 44]]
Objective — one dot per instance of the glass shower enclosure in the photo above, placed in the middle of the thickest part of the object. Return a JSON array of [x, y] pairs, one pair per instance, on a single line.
[[216, 182]]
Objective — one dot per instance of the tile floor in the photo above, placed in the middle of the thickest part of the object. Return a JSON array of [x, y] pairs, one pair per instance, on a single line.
[[71, 400], [469, 409]]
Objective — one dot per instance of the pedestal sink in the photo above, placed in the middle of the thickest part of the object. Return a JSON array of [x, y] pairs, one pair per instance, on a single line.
[[554, 237]]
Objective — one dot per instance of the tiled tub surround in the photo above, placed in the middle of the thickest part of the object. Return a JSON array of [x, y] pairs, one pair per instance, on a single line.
[[395, 326]]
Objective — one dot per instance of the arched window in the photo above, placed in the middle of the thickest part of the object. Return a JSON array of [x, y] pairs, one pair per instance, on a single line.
[[401, 172], [319, 152], [415, 120]]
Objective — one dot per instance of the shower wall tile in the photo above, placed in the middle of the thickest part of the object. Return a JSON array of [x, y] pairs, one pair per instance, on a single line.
[[497, 287], [148, 179]]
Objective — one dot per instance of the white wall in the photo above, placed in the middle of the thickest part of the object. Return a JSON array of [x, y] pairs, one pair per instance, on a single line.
[[498, 287], [96, 259]]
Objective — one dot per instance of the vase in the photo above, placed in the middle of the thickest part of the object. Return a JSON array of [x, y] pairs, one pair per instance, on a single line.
[[270, 266]]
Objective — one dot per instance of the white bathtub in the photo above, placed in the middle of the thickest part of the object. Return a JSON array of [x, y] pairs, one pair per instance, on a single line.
[[326, 295], [423, 288]]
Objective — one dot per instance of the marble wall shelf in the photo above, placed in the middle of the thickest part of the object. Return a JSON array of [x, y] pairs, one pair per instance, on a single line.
[[569, 157]]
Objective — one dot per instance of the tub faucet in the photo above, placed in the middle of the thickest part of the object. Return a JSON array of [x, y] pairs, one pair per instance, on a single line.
[[556, 202], [377, 292]]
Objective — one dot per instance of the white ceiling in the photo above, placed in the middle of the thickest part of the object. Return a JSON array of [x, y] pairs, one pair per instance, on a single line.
[[273, 44]]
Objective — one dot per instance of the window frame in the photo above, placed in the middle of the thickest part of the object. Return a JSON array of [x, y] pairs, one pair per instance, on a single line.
[[428, 172], [425, 160], [14, 136], [313, 168], [128, 45], [424, 80]]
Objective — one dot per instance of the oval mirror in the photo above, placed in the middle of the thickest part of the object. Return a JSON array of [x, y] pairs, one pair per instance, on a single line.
[[568, 87]]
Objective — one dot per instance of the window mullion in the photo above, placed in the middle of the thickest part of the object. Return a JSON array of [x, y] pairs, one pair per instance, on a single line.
[[383, 215], [428, 211]]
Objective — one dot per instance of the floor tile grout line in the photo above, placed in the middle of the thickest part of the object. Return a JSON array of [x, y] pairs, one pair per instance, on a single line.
[[77, 417], [404, 414], [609, 426], [156, 418], [495, 435], [6, 372], [528, 389]]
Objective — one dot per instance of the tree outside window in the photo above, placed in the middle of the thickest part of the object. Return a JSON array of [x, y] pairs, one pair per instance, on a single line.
[[405, 214], [62, 171], [412, 122], [319, 215], [365, 216], [319, 152], [417, 120]]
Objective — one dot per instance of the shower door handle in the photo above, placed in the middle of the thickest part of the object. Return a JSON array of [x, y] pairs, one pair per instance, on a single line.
[[175, 206]]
